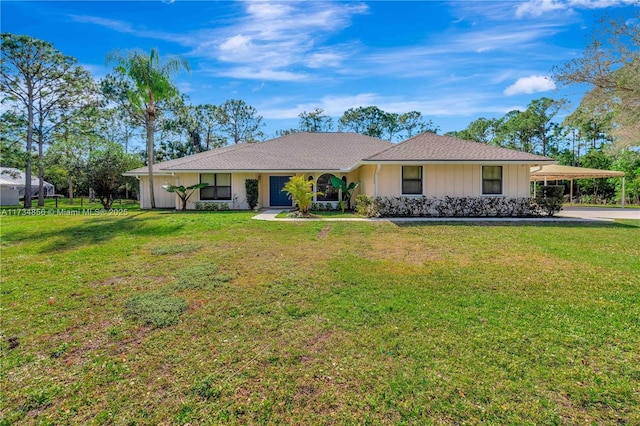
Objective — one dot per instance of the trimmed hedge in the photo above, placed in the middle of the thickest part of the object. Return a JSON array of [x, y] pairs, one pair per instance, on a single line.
[[445, 207], [212, 206]]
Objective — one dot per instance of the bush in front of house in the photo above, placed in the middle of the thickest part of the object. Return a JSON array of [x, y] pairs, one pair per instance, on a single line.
[[550, 199], [444, 207], [210, 206], [367, 206], [251, 186]]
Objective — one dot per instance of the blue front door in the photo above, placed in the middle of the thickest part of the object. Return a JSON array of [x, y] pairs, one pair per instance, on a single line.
[[277, 198]]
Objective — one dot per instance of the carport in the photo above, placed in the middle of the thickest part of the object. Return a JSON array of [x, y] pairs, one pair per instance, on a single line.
[[557, 172]]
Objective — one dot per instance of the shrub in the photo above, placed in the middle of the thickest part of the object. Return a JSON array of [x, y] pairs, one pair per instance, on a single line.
[[550, 199], [448, 206], [211, 206], [251, 186], [155, 309], [301, 192], [367, 206]]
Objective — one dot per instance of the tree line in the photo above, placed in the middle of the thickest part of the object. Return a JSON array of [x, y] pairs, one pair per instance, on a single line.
[[58, 122]]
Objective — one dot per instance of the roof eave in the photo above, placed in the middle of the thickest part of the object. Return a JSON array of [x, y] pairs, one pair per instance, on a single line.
[[484, 162]]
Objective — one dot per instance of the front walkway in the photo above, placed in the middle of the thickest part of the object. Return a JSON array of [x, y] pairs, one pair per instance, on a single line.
[[568, 214]]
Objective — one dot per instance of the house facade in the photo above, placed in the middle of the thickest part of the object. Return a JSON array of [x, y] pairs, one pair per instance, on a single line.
[[426, 165]]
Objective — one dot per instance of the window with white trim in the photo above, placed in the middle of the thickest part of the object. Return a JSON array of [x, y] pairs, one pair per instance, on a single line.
[[219, 186], [491, 180]]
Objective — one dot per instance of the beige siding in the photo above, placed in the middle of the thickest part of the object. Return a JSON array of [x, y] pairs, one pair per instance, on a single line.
[[163, 198], [454, 180], [389, 180], [367, 179], [238, 190]]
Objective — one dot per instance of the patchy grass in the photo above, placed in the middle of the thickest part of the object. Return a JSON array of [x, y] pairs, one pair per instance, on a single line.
[[157, 309], [200, 277], [318, 323]]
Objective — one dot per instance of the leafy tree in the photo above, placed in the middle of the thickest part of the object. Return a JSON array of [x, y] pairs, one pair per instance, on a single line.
[[301, 192], [241, 122], [285, 132], [147, 84], [104, 170], [412, 123], [599, 188], [209, 119], [44, 84], [370, 121], [482, 130], [12, 152], [610, 65], [184, 192], [315, 121], [531, 130]]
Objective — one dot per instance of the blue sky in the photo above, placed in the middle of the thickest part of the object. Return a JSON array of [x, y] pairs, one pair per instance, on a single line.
[[453, 61]]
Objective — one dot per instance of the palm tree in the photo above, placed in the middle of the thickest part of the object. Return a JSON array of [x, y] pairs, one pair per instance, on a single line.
[[151, 84]]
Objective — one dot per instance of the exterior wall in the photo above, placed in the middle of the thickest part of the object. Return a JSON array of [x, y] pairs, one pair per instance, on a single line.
[[9, 196], [454, 180], [164, 199], [439, 180], [238, 190], [367, 180]]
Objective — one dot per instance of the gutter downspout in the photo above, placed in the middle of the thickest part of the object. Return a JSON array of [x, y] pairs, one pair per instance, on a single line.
[[375, 180]]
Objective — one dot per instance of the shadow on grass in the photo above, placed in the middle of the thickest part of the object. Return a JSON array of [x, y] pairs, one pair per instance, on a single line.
[[99, 230]]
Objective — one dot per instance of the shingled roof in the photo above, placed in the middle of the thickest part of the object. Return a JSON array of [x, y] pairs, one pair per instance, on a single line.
[[334, 151], [337, 151], [429, 147]]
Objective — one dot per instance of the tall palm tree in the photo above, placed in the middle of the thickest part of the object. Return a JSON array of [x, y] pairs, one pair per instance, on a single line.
[[150, 76]]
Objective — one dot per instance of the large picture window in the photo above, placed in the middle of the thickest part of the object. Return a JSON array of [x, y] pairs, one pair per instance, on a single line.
[[219, 186], [329, 192], [412, 180], [491, 180]]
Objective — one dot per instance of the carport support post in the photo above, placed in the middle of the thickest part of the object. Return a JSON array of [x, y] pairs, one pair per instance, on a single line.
[[571, 191]]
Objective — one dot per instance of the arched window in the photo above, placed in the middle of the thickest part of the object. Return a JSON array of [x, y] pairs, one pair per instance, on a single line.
[[324, 185]]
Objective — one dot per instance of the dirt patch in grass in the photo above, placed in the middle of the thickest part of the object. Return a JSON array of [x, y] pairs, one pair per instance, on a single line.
[[323, 233]]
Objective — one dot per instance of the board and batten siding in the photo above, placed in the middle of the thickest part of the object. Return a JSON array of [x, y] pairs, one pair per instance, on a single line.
[[238, 189], [453, 180], [164, 199]]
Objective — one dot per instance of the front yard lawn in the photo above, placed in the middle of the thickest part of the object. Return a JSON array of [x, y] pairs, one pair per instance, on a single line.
[[215, 318]]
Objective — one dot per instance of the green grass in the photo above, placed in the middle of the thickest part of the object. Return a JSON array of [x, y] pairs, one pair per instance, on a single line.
[[317, 322]]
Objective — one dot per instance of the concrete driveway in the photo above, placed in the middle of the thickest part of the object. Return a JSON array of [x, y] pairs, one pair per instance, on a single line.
[[599, 213]]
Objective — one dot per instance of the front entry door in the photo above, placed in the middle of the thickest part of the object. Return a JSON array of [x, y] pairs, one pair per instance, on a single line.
[[277, 198]]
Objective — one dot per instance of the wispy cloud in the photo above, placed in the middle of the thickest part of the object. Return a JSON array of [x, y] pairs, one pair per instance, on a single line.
[[272, 38], [535, 8], [529, 85]]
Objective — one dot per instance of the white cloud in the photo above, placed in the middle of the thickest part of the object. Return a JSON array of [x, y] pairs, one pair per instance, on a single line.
[[263, 74], [535, 8], [531, 84]]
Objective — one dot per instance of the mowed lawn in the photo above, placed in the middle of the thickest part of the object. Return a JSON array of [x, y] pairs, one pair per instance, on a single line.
[[317, 322]]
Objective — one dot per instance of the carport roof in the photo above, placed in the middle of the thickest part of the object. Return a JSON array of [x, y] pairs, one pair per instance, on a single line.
[[557, 172]]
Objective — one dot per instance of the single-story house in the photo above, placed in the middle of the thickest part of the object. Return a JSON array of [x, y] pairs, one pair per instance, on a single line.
[[426, 165], [12, 186]]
